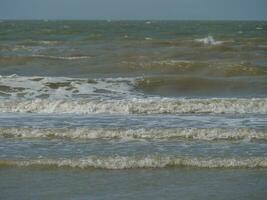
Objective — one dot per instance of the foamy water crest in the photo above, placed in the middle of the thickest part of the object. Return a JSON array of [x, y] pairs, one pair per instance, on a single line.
[[108, 95], [209, 41], [62, 87], [137, 106], [133, 162], [60, 57], [104, 133]]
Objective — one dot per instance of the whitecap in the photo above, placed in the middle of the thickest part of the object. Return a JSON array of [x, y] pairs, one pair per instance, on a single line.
[[136, 106], [209, 41], [209, 134], [63, 87], [61, 57], [135, 162]]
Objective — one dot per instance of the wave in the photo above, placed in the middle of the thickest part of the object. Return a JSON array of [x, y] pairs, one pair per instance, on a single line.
[[61, 57], [202, 86], [104, 133], [27, 58], [62, 87], [193, 67], [31, 44], [209, 41], [134, 65], [151, 105], [127, 95], [134, 162], [43, 42]]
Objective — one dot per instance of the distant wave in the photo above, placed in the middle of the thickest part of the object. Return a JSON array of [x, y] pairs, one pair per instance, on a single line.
[[41, 42], [186, 67], [148, 38], [61, 57], [137, 106], [48, 42], [129, 134], [209, 41], [133, 162]]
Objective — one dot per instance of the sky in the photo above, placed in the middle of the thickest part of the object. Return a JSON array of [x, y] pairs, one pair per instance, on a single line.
[[135, 9]]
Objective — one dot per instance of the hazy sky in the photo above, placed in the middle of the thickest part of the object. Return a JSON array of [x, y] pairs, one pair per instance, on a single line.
[[134, 9]]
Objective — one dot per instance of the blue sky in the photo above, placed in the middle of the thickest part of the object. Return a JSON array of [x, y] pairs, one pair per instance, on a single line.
[[134, 9]]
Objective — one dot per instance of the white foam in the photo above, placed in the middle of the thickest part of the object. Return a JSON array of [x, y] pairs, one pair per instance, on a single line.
[[133, 162], [63, 87], [136, 106], [61, 57], [209, 41], [172, 62], [148, 38], [129, 134], [259, 28], [46, 42], [21, 47]]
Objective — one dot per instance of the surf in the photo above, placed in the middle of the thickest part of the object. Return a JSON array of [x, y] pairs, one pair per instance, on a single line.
[[208, 134], [137, 162]]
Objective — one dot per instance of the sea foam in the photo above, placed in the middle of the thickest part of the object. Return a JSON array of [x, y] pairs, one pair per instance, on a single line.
[[137, 106], [209, 134], [209, 41], [61, 57], [133, 162]]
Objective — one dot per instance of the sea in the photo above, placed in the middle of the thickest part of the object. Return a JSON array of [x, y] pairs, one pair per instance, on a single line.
[[133, 110]]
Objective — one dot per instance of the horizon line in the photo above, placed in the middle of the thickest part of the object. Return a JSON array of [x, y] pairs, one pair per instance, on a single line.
[[148, 19]]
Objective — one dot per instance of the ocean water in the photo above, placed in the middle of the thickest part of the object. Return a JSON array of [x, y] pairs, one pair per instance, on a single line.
[[133, 110]]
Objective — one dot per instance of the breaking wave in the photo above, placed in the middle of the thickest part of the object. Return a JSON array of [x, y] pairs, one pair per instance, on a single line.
[[121, 88], [103, 133], [209, 41], [119, 95], [152, 105], [62, 87], [133, 162], [61, 57]]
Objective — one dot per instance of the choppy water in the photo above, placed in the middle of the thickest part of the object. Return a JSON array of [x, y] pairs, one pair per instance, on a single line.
[[152, 99]]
